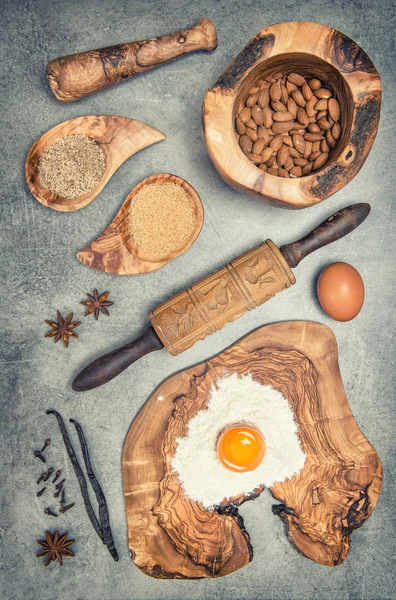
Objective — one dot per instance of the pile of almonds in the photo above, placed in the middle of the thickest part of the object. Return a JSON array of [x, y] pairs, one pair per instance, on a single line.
[[288, 125]]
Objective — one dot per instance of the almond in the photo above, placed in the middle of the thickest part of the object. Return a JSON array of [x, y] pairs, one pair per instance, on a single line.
[[267, 117], [262, 132], [253, 90], [240, 126], [283, 155], [313, 128], [275, 91], [252, 134], [302, 117], [266, 154], [324, 124], [320, 161], [308, 149], [295, 172], [245, 114], [314, 84], [284, 94], [296, 79], [272, 171], [321, 114], [256, 158], [287, 140], [257, 115], [321, 104], [283, 116], [290, 87], [292, 107], [306, 91], [245, 143], [330, 140], [298, 98], [299, 142], [334, 109], [262, 166], [324, 146], [252, 124], [323, 93], [263, 98], [258, 146], [276, 143], [300, 162], [252, 99], [294, 153], [278, 106], [307, 169], [316, 146], [289, 164], [313, 137], [336, 131], [271, 161], [282, 127], [283, 173], [314, 155]]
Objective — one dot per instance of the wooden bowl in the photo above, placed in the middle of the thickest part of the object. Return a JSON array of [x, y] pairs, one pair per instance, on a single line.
[[118, 137], [311, 50], [114, 251]]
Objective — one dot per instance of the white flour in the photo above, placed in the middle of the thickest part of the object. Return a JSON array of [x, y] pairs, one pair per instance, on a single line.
[[235, 400]]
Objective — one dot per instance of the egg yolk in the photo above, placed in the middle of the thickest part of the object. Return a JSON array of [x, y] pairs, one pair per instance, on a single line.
[[241, 448]]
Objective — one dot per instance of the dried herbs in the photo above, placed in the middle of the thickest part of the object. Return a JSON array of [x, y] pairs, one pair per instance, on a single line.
[[102, 528], [97, 304], [63, 328], [55, 547]]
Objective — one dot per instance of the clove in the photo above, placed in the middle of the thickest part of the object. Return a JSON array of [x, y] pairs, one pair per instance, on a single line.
[[48, 473], [59, 485], [59, 492], [62, 501], [41, 478], [49, 512], [41, 492], [57, 475], [66, 508], [38, 454]]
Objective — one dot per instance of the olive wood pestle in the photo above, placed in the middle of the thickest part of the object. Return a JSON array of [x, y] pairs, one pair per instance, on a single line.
[[245, 283], [78, 75]]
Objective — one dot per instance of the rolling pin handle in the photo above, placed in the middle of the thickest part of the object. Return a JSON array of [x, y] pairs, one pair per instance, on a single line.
[[105, 368], [335, 227]]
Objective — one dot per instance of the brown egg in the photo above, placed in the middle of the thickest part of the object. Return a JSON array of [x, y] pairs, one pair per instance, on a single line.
[[340, 291]]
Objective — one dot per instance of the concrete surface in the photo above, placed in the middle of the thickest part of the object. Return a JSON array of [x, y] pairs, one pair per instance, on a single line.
[[40, 273]]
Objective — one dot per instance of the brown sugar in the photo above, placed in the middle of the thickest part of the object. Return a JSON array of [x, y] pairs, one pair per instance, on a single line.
[[72, 166], [161, 219]]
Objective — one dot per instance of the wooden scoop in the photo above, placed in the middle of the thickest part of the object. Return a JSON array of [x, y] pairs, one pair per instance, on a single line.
[[114, 251], [119, 138], [202, 309], [78, 75]]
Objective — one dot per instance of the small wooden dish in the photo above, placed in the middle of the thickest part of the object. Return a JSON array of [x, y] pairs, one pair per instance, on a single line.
[[311, 50], [118, 137], [114, 252]]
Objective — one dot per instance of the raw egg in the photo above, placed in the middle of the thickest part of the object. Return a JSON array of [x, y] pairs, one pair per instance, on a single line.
[[241, 448], [340, 291]]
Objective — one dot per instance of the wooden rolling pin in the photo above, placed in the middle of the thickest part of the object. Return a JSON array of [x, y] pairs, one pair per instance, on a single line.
[[78, 75], [206, 306]]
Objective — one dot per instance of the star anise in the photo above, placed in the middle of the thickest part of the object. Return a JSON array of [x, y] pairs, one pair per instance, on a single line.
[[63, 328], [55, 547], [97, 304]]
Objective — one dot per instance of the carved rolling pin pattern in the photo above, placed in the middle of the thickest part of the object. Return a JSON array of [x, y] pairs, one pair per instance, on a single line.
[[78, 75], [245, 283]]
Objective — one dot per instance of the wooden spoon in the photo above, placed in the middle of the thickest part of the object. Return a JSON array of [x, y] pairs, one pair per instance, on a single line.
[[114, 252], [118, 137]]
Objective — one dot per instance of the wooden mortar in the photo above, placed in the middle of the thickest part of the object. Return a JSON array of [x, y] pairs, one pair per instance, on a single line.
[[311, 50], [78, 75]]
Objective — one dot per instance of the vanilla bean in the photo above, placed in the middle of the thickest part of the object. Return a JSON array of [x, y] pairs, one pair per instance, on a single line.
[[103, 510], [79, 473]]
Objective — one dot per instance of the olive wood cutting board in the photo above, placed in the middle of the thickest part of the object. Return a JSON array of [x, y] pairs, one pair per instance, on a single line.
[[171, 536]]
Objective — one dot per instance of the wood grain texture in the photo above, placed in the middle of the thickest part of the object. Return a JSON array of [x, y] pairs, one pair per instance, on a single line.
[[114, 252], [73, 77], [118, 137], [312, 50], [170, 536]]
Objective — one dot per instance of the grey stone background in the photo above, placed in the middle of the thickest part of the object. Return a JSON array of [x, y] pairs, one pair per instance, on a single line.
[[40, 273]]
